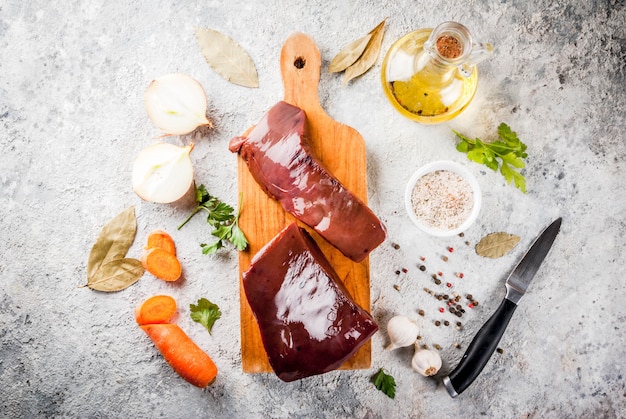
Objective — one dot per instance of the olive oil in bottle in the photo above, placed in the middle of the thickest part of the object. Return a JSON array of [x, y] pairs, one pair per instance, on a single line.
[[429, 75]]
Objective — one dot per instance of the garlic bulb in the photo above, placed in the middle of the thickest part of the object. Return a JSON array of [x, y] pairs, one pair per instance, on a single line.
[[425, 361], [402, 332], [163, 173], [176, 103]]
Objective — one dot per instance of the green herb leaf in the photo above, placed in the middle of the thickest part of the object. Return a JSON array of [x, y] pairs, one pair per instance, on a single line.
[[520, 181], [237, 238], [221, 217], [478, 156], [209, 249], [508, 149], [513, 160], [385, 383], [205, 313], [463, 146]]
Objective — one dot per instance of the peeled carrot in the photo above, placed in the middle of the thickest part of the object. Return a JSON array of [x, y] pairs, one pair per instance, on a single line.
[[160, 239], [184, 356], [155, 310], [162, 264]]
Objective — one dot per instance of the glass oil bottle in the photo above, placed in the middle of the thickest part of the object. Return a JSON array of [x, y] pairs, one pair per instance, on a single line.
[[430, 75]]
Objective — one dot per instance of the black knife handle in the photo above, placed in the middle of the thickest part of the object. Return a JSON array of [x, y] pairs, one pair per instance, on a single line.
[[480, 350]]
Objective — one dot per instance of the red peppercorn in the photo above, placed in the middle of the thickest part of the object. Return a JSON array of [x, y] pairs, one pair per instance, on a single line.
[[422, 258], [440, 273], [450, 249], [470, 305], [405, 270], [461, 275], [449, 284], [441, 309]]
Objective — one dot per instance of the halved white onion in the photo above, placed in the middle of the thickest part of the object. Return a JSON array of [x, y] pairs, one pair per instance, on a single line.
[[163, 172], [176, 103]]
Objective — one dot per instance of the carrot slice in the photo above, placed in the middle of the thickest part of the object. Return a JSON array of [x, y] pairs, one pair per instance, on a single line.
[[160, 239], [157, 309], [184, 356], [162, 264]]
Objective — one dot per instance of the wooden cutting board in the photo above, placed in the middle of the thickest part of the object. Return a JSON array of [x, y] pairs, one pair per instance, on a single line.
[[342, 150]]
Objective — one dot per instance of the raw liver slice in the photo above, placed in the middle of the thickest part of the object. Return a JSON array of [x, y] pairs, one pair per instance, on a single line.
[[279, 159], [309, 323]]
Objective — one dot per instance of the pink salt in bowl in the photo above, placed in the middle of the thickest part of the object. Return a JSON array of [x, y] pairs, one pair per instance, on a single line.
[[443, 198]]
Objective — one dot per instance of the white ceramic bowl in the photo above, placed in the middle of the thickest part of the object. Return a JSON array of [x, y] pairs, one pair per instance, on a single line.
[[449, 166]]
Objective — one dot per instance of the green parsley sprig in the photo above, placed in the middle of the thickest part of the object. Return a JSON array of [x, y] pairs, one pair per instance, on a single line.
[[221, 217], [508, 148], [385, 383], [205, 313]]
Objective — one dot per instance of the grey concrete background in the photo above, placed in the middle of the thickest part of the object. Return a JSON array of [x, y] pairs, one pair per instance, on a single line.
[[72, 78]]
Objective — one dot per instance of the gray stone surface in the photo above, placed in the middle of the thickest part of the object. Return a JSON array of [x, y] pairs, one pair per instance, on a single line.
[[72, 77]]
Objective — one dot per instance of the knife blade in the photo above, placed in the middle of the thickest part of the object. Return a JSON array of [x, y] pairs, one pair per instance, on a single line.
[[486, 340]]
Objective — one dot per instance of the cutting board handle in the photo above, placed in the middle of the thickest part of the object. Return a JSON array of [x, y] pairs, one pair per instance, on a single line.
[[300, 64]]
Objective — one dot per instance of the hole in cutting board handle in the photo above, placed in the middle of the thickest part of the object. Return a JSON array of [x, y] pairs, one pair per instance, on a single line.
[[299, 63]]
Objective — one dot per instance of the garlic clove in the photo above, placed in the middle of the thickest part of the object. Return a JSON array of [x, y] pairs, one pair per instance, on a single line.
[[163, 173], [402, 332], [425, 361], [176, 103]]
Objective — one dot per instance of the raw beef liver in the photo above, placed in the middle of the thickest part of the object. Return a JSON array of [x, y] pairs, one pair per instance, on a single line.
[[309, 324], [280, 160]]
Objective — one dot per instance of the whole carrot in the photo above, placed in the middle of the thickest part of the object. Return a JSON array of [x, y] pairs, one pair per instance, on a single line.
[[155, 310], [184, 356]]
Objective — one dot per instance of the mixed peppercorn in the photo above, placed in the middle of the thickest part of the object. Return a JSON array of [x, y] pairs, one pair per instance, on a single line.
[[450, 300]]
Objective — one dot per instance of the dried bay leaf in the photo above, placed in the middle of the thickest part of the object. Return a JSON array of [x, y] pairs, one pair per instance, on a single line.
[[349, 54], [108, 268], [116, 275], [496, 245], [369, 56], [227, 57], [114, 240]]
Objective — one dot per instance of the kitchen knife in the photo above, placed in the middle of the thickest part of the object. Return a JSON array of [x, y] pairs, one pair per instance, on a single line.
[[487, 338]]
